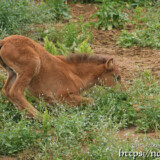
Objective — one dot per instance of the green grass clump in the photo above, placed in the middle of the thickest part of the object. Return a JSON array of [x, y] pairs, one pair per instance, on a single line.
[[147, 29], [16, 14], [50, 47], [16, 138], [71, 38], [109, 16], [59, 9], [84, 48], [147, 37]]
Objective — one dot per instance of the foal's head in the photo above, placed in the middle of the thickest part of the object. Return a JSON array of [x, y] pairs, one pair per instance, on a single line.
[[111, 74]]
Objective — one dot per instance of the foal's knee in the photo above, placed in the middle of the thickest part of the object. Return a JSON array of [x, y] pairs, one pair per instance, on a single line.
[[5, 92]]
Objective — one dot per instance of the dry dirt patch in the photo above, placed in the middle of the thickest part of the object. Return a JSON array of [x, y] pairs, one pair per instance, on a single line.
[[129, 59]]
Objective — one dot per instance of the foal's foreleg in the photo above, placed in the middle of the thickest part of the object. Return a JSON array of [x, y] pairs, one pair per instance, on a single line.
[[77, 100]]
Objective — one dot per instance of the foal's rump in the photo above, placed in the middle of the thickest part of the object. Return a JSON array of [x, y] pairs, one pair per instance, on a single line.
[[2, 62]]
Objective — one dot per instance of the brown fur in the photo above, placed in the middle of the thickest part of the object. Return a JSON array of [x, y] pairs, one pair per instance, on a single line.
[[55, 78]]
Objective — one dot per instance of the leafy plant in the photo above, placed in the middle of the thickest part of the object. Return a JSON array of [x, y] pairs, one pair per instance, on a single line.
[[147, 28], [138, 12], [53, 34], [70, 34], [3, 33], [46, 122], [50, 47], [16, 138], [14, 14], [147, 37], [69, 38], [59, 49], [135, 3], [59, 8], [84, 48], [74, 34], [109, 17]]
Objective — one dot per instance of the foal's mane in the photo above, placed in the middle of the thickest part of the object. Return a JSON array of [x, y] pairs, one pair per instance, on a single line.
[[85, 58]]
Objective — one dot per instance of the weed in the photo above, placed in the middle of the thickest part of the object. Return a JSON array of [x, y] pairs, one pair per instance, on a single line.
[[135, 3], [15, 14], [109, 17], [71, 38], [59, 8], [84, 48], [16, 138], [137, 16], [76, 34], [53, 34], [147, 37], [50, 47], [146, 33], [46, 122]]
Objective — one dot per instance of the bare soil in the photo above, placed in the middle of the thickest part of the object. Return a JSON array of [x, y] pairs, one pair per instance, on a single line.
[[86, 10], [130, 133], [130, 60]]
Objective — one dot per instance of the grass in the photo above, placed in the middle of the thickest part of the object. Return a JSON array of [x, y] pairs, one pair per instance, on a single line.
[[15, 15], [147, 28], [94, 131], [75, 38], [109, 16], [84, 132]]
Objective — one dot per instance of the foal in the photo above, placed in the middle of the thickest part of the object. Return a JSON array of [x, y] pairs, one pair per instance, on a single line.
[[31, 67]]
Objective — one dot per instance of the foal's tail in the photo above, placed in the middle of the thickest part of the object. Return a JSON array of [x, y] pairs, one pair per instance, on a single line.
[[2, 63], [1, 44]]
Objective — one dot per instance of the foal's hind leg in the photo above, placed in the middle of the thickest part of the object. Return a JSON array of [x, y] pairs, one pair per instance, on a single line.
[[16, 94], [25, 62], [10, 80]]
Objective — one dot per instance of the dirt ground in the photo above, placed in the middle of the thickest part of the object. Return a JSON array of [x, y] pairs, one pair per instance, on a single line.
[[130, 60]]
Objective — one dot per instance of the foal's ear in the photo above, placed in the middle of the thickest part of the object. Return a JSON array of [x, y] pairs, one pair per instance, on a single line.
[[109, 64]]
